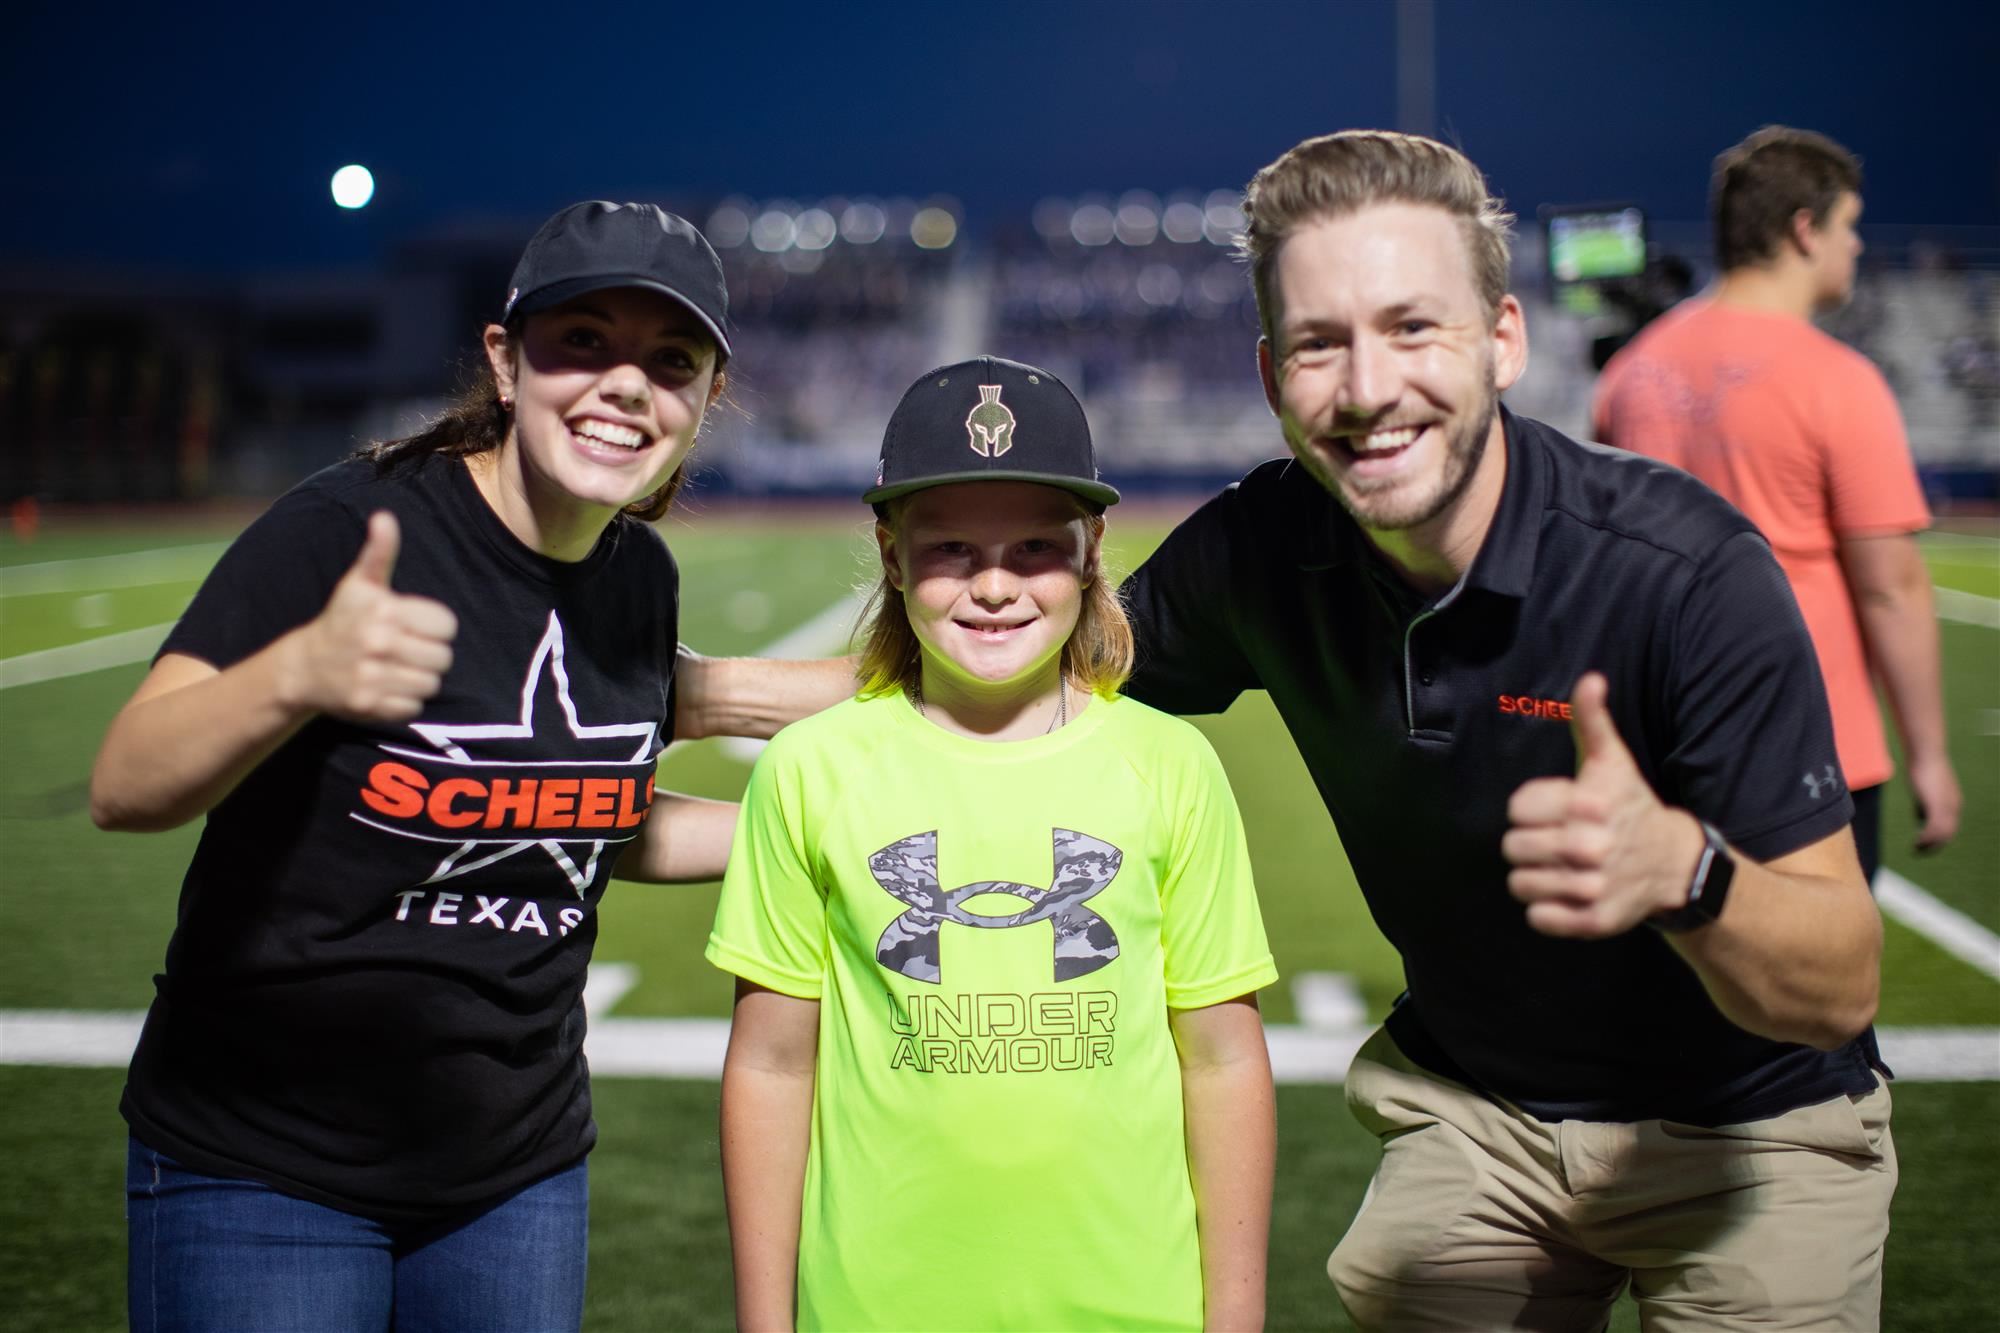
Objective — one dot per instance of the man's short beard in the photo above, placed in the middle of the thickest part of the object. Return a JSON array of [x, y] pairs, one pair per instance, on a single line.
[[1463, 452]]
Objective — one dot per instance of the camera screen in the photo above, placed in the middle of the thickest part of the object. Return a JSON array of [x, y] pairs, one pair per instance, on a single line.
[[1588, 245]]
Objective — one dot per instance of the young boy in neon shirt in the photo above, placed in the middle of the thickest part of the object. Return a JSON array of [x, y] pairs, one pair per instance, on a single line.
[[996, 1060]]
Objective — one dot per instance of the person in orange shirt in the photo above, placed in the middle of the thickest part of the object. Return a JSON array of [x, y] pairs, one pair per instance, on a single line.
[[1802, 434]]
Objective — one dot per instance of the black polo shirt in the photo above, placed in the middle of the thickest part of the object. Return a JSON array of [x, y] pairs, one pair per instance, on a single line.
[[1418, 719]]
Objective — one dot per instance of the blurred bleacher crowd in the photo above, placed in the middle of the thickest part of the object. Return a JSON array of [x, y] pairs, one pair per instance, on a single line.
[[125, 387]]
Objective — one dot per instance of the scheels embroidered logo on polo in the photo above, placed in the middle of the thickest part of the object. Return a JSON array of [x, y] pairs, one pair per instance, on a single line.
[[989, 426], [1527, 705]]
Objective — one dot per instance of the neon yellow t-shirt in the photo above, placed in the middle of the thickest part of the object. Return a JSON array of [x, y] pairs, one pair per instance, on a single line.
[[995, 933]]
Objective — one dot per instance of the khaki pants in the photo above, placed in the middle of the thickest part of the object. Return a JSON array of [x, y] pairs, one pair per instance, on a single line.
[[1481, 1217]]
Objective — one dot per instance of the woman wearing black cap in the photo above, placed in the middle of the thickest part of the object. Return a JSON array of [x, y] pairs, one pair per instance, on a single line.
[[420, 702]]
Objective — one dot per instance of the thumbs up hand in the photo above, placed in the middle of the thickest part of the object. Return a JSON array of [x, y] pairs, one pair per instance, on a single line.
[[374, 655], [1596, 854]]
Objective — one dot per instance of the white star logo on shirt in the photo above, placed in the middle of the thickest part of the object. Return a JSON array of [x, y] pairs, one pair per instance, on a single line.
[[448, 738]]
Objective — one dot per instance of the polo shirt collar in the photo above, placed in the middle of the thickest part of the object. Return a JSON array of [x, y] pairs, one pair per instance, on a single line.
[[1505, 564], [1325, 536]]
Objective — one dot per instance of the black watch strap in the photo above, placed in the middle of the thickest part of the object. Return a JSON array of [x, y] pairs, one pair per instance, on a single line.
[[1707, 892]]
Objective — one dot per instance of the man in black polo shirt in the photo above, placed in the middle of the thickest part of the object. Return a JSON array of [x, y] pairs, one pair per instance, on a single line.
[[1563, 710]]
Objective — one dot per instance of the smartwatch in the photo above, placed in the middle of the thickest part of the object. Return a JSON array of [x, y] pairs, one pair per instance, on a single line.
[[1707, 892]]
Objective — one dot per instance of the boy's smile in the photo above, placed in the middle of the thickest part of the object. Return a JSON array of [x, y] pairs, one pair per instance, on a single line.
[[992, 575]]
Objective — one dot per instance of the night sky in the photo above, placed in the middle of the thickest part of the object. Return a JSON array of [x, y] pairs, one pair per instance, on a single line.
[[202, 137]]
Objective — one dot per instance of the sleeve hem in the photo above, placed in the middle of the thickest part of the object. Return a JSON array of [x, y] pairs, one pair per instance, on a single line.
[[753, 969], [1770, 843], [1908, 525], [1200, 995]]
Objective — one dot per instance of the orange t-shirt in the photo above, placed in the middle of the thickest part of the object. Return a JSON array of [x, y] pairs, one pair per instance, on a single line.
[[1800, 432]]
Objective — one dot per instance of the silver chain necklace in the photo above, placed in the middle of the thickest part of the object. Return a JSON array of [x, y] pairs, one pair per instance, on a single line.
[[1062, 705]]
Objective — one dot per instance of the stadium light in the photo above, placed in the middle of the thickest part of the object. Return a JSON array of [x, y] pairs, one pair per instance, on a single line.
[[774, 231], [933, 228], [1092, 224], [862, 223], [1222, 219], [353, 186], [1182, 222], [729, 225], [1138, 218], [815, 229]]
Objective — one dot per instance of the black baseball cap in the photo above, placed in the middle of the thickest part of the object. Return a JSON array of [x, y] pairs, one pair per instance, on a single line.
[[988, 419], [594, 245]]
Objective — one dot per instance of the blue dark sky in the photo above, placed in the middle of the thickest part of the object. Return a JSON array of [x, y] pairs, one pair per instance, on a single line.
[[202, 137]]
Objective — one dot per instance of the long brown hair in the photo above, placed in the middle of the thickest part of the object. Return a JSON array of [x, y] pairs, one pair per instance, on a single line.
[[1097, 656], [476, 423]]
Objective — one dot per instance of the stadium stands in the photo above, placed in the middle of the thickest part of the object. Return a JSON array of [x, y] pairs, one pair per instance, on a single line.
[[127, 387]]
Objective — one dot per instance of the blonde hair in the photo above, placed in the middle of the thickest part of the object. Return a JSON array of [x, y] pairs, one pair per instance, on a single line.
[[1097, 656], [1336, 174]]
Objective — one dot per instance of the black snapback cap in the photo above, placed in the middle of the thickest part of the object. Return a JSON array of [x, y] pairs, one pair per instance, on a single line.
[[594, 245], [988, 419]]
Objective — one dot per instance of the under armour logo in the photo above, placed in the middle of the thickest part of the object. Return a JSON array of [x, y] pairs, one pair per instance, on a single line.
[[1084, 941], [989, 426], [1816, 785]]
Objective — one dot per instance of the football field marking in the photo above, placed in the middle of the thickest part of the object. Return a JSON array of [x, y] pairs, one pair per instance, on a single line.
[[822, 636], [605, 985], [694, 1047], [108, 573], [1939, 922], [1967, 608], [1328, 1001], [76, 659]]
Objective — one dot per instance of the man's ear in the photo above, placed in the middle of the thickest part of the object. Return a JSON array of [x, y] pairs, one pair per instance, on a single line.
[[1804, 232], [500, 357], [1267, 371], [1510, 343]]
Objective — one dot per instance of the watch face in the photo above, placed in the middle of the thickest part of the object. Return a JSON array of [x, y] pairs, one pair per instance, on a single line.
[[1713, 873], [1718, 870]]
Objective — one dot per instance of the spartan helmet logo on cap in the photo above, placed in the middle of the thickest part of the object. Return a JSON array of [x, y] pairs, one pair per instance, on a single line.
[[989, 426], [1084, 941]]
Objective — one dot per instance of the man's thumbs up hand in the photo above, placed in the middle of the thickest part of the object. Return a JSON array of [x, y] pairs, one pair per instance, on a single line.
[[1596, 854]]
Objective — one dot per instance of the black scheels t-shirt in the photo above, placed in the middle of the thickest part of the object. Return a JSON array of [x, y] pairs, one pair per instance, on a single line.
[[373, 995], [1418, 720]]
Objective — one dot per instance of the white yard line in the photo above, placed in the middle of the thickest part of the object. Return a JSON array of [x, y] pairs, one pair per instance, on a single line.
[[1328, 1001], [1968, 608], [693, 1047], [74, 659], [822, 636], [1943, 925], [104, 573], [605, 984]]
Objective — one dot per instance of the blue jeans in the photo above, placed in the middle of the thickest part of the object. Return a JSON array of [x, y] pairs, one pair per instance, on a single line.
[[212, 1253]]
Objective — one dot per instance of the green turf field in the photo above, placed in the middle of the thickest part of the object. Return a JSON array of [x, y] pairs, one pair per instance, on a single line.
[[88, 915]]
